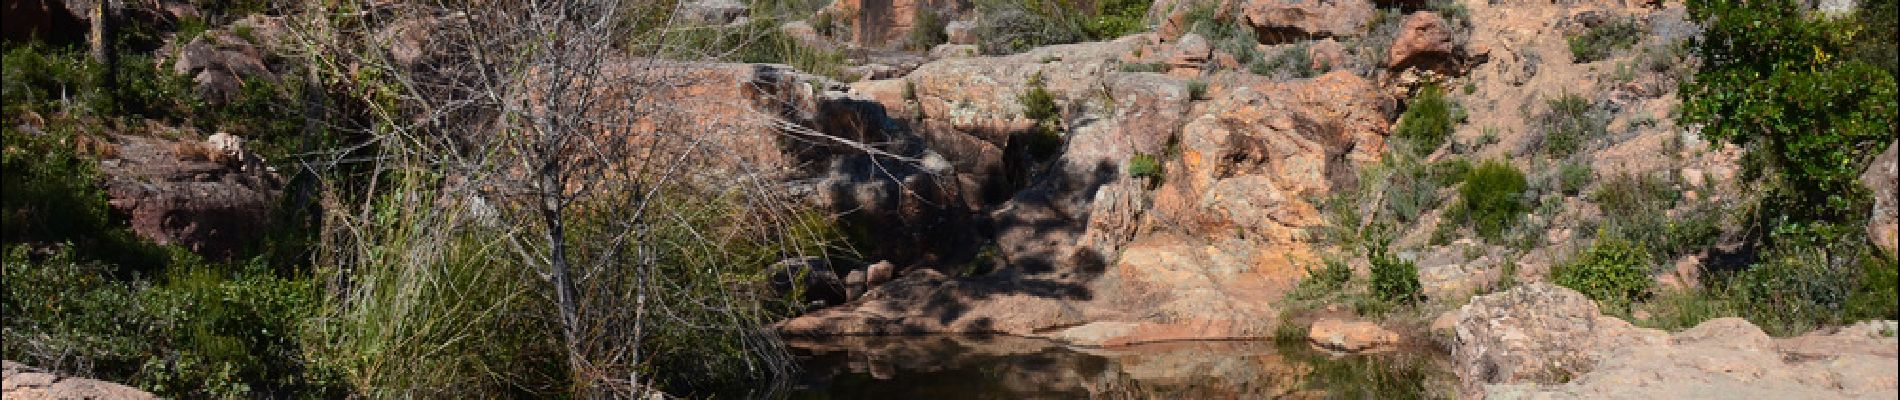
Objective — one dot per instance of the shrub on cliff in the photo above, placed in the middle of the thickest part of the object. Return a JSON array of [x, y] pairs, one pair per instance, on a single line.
[[1492, 198], [1598, 42], [1612, 271], [1428, 120]]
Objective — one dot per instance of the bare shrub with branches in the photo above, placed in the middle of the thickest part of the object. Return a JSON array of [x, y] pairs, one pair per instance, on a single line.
[[550, 196]]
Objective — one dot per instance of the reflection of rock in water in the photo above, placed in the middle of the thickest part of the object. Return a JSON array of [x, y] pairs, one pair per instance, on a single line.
[[1006, 367]]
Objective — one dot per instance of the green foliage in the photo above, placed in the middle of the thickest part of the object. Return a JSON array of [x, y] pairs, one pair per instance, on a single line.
[[1143, 67], [1038, 104], [1637, 208], [1013, 26], [201, 333], [1334, 275], [758, 41], [1197, 90], [1144, 166], [1427, 121], [1612, 271], [1781, 83], [1493, 198], [1572, 177], [1569, 123], [1598, 42], [1393, 280]]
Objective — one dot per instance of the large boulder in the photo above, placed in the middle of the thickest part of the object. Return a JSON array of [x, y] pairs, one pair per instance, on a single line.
[[1547, 342], [1091, 255], [27, 383], [220, 62], [1349, 336], [207, 197], [1883, 177], [1536, 333], [1285, 21], [1425, 42]]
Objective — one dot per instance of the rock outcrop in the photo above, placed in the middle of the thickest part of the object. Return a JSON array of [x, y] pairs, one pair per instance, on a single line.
[[214, 201], [1349, 336], [886, 23], [1283, 21], [1092, 256], [27, 383], [1883, 178], [1548, 342]]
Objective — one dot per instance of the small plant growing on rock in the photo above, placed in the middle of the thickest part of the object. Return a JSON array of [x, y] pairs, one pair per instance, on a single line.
[[1038, 104], [1144, 166], [1427, 120], [1493, 198], [1597, 43], [1197, 90], [1613, 271]]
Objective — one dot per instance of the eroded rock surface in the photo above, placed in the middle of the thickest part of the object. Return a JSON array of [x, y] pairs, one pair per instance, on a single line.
[[22, 382], [214, 201], [1547, 342]]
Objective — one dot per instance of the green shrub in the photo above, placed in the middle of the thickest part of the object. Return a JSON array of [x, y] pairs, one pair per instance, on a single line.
[[1637, 208], [1144, 166], [1393, 280], [1493, 198], [1612, 271], [1334, 275], [1197, 90], [1774, 82], [1037, 103], [1225, 35], [1409, 189], [1569, 123], [1597, 43], [195, 334], [1573, 176], [1427, 121]]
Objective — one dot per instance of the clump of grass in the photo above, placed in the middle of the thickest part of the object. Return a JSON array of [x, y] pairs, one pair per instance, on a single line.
[[1599, 42], [1143, 67], [1293, 62], [1197, 90]]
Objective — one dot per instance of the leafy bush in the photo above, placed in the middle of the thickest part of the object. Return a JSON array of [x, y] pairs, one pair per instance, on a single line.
[[1409, 189], [1637, 208], [1393, 280], [1773, 81], [1427, 121], [1597, 43], [1492, 198], [1334, 275], [196, 334], [1570, 122], [1612, 271]]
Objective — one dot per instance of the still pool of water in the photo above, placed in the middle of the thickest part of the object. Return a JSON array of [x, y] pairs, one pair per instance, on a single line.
[[1007, 367]]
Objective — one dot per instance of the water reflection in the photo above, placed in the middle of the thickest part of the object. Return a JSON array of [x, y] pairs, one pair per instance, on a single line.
[[1007, 367]]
